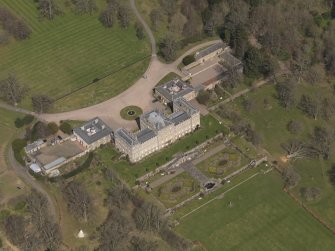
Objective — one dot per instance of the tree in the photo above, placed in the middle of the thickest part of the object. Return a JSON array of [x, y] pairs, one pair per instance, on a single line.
[[12, 91], [78, 201], [124, 16], [310, 193], [309, 106], [169, 6], [53, 128], [142, 244], [114, 231], [118, 196], [139, 31], [37, 205], [45, 231], [322, 141], [296, 149], [106, 18], [40, 131], [65, 127], [48, 9], [41, 103], [286, 94], [203, 97], [168, 48], [331, 174], [85, 6], [327, 108], [148, 217], [12, 25], [155, 17], [291, 177], [189, 59], [193, 26], [294, 126], [15, 227]]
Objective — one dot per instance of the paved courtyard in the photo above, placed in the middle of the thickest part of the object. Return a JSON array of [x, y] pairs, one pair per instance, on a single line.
[[50, 153]]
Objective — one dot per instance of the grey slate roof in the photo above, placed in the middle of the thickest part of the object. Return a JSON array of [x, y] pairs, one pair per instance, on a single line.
[[209, 50], [145, 135], [156, 119], [33, 145], [126, 136], [174, 89], [93, 130], [184, 105], [179, 117], [54, 163], [137, 138]]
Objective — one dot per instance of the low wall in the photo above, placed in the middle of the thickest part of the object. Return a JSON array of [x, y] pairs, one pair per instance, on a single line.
[[65, 162], [175, 162]]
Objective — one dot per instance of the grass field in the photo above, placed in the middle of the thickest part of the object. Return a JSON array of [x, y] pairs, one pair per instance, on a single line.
[[261, 217], [271, 122], [69, 52]]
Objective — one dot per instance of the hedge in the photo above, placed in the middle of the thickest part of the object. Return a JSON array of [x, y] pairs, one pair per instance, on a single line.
[[17, 146]]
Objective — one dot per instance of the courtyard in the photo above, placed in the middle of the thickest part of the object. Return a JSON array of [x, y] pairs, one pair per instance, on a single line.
[[66, 149]]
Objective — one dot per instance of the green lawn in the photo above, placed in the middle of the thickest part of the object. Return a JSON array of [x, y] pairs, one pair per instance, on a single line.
[[7, 126], [130, 172], [69, 52], [131, 112], [271, 122], [261, 217]]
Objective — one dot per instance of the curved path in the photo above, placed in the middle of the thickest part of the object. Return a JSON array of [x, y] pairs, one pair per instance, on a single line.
[[139, 94]]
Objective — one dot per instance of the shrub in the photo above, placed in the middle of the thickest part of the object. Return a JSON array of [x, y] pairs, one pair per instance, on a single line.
[[17, 146], [310, 193], [203, 97], [18, 123], [189, 59], [26, 120], [176, 188], [53, 128], [65, 127]]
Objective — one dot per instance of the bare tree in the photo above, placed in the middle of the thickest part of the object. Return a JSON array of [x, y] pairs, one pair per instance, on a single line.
[[286, 94], [118, 196], [291, 177], [85, 6], [14, 226], [12, 91], [310, 106], [37, 205], [156, 17], [13, 25], [142, 244], [114, 231], [78, 201], [168, 47], [148, 217], [296, 149], [124, 16], [106, 18], [48, 9], [41, 103]]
